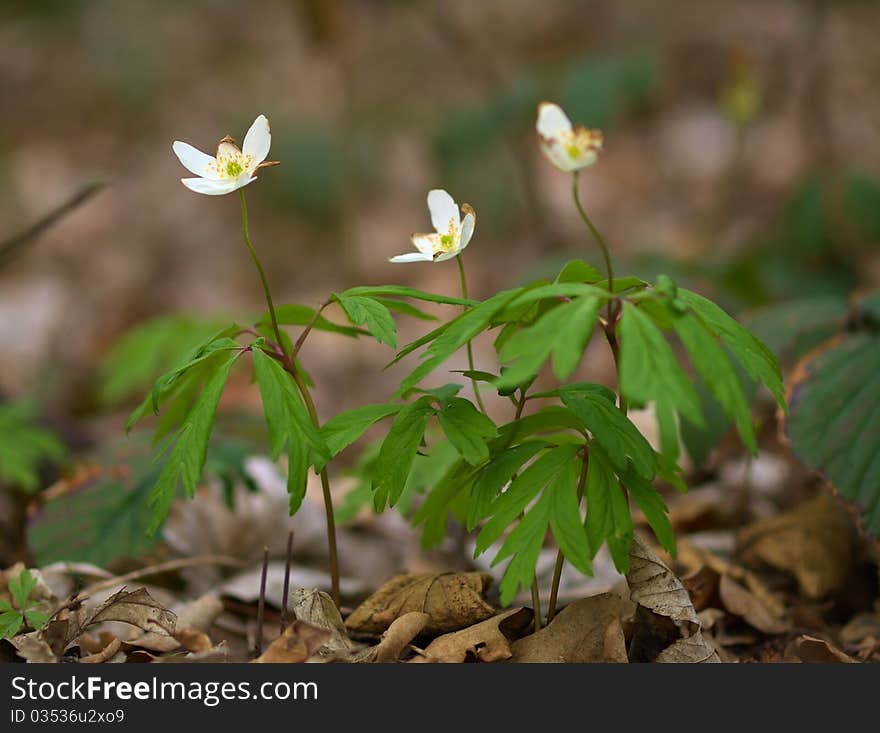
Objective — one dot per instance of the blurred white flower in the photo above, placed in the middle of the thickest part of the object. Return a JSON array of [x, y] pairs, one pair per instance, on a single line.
[[231, 168], [569, 148], [452, 232]]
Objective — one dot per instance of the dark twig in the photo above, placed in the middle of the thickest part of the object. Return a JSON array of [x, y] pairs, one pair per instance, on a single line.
[[16, 243], [286, 588], [261, 605]]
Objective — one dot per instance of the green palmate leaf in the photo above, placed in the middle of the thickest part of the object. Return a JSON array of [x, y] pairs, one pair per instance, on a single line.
[[187, 458], [608, 517], [614, 432], [400, 291], [492, 478], [578, 271], [524, 543], [578, 389], [25, 446], [36, 619], [649, 371], [467, 429], [754, 356], [440, 501], [550, 419], [654, 508], [399, 450], [10, 623], [370, 312], [508, 506], [713, 365], [445, 341], [834, 425], [20, 588], [562, 333], [147, 351], [302, 315], [566, 523], [341, 431]]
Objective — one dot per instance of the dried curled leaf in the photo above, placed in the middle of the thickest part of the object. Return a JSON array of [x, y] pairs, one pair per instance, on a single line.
[[811, 649], [396, 639], [487, 641], [666, 626], [296, 645], [452, 600], [317, 609], [588, 630], [740, 602], [137, 608], [811, 543]]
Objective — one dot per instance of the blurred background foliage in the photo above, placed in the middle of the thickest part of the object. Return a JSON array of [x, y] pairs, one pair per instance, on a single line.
[[741, 158]]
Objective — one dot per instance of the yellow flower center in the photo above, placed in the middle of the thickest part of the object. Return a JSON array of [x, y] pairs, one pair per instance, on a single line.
[[230, 162], [449, 242]]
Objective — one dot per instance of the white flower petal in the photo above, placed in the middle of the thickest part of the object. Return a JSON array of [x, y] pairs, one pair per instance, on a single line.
[[195, 161], [443, 210], [426, 243], [446, 256], [467, 230], [552, 121], [559, 156], [413, 257], [258, 140], [211, 188]]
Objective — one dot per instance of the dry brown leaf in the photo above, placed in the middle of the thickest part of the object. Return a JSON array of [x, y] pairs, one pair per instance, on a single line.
[[99, 657], [811, 543], [581, 632], [33, 648], [487, 641], [396, 639], [701, 585], [452, 600], [316, 608], [137, 608], [201, 613], [297, 644], [666, 625], [740, 602], [193, 640], [812, 649], [860, 627]]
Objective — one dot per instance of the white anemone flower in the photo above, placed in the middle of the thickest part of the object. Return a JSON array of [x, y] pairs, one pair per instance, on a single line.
[[231, 168], [568, 147], [452, 232]]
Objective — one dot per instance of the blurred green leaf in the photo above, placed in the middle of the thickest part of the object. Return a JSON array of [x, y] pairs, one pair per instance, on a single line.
[[25, 446]]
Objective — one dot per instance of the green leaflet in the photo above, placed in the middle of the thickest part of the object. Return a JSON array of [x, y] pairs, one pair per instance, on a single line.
[[608, 517], [713, 365], [446, 340], [649, 371], [401, 291], [495, 474], [562, 333], [404, 308], [399, 450], [467, 429], [565, 520], [611, 429], [187, 458], [578, 271], [755, 357], [165, 387], [651, 503], [342, 430], [286, 415], [524, 543], [301, 315], [507, 506], [434, 512], [25, 445], [361, 310]]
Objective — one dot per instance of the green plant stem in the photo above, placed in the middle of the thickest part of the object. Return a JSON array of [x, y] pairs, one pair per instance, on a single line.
[[609, 270], [308, 329], [289, 364], [470, 350], [325, 487], [560, 558], [266, 292]]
